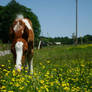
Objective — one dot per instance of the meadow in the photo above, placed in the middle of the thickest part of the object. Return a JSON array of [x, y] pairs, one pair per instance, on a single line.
[[56, 69]]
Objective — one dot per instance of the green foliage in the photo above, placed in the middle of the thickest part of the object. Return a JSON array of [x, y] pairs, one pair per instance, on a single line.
[[8, 14], [87, 39], [56, 69]]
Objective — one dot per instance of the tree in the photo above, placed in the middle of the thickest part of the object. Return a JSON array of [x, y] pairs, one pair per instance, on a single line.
[[8, 14], [87, 39]]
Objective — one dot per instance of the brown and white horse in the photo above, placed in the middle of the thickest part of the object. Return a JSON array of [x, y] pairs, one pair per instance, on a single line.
[[22, 36]]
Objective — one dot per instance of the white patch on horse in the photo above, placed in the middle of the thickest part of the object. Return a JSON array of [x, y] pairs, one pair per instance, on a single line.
[[16, 27], [27, 24], [31, 68], [19, 53]]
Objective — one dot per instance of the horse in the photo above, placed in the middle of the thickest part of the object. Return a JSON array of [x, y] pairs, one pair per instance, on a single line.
[[22, 37]]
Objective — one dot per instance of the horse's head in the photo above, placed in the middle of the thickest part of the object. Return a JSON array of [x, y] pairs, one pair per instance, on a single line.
[[18, 27]]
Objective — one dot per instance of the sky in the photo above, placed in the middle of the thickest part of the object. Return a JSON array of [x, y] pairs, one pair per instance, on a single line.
[[58, 17]]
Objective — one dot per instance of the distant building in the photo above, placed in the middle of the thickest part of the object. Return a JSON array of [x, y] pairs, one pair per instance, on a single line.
[[57, 43]]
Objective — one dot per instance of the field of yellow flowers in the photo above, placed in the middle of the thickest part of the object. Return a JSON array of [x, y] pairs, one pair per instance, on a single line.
[[56, 69]]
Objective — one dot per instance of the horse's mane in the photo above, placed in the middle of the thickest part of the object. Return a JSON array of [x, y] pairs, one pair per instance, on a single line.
[[19, 16]]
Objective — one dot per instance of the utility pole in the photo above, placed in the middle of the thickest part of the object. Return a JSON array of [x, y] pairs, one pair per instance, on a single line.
[[76, 41]]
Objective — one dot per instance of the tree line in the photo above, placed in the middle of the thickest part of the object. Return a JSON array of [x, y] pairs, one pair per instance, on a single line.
[[87, 39], [8, 14]]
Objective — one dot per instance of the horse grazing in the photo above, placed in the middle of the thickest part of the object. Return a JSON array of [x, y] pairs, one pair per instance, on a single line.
[[22, 36]]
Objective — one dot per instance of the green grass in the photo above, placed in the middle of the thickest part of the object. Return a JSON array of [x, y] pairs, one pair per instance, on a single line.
[[56, 69]]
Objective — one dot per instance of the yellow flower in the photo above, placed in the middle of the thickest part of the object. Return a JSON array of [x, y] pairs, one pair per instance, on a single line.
[[6, 74], [51, 83], [4, 70], [54, 69], [47, 89], [13, 72], [45, 86], [11, 83], [18, 70], [25, 84], [43, 66], [2, 65], [3, 80], [60, 75], [28, 81], [48, 61], [91, 87], [40, 63], [26, 71], [3, 91], [9, 67], [17, 85], [30, 77], [10, 91], [51, 76], [9, 61], [57, 82], [13, 79], [42, 81], [64, 84], [3, 87], [47, 72], [21, 88], [66, 88], [82, 65], [42, 87]]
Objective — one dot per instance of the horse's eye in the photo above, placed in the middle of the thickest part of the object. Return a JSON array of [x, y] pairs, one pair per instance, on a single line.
[[20, 23]]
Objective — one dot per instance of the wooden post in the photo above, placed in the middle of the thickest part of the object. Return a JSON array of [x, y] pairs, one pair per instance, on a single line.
[[76, 41], [39, 46]]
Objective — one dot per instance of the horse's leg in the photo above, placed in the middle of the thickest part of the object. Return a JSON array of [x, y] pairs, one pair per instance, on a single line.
[[30, 64], [30, 58]]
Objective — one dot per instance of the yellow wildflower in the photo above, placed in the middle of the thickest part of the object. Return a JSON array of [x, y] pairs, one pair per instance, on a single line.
[[3, 91], [17, 84], [40, 63], [48, 61], [66, 88], [42, 81], [9, 61], [3, 87], [47, 89], [82, 65], [64, 84], [21, 88], [9, 67], [51, 83], [43, 66], [41, 87], [47, 72], [26, 71], [14, 73], [91, 87], [11, 83], [10, 91], [6, 74], [4, 70], [54, 69], [2, 65]]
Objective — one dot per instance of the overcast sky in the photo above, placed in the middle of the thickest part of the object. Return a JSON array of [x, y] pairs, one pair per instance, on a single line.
[[57, 17]]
